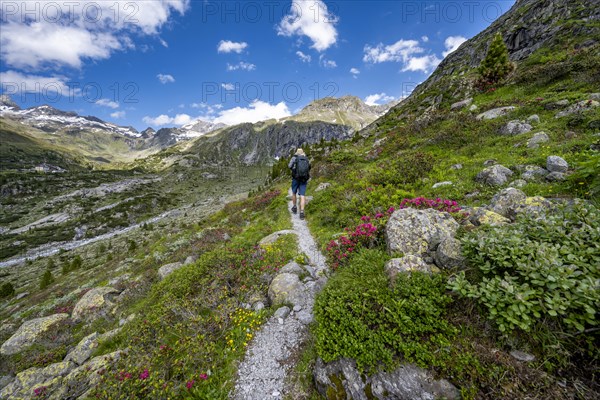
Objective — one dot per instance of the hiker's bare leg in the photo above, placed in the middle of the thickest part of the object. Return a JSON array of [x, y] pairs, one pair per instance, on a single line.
[[301, 203], [294, 200]]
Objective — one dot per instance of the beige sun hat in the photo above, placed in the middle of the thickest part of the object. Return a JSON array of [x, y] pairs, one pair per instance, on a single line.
[[300, 152]]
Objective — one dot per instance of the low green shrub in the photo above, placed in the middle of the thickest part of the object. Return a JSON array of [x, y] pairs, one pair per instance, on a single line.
[[537, 269], [360, 316], [405, 169], [6, 290]]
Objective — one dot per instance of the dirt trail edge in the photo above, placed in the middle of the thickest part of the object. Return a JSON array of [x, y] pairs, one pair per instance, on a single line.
[[269, 358]]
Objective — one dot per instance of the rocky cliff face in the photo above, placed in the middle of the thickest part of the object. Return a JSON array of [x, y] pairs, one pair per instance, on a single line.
[[526, 27], [251, 144]]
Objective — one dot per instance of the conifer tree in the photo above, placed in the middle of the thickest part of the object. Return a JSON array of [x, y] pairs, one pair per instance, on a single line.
[[496, 65], [46, 280]]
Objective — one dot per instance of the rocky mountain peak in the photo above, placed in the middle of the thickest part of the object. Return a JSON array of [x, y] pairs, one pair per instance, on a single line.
[[7, 102]]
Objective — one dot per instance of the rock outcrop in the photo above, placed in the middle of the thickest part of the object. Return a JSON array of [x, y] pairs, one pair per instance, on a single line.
[[30, 332], [95, 304], [415, 232], [341, 379], [496, 175]]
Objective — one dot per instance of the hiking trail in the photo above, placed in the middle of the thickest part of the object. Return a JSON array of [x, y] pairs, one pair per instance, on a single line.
[[270, 356]]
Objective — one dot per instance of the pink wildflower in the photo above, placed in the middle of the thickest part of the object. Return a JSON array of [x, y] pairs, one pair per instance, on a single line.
[[145, 374]]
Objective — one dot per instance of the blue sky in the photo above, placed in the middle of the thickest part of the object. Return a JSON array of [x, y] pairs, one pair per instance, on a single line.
[[167, 62]]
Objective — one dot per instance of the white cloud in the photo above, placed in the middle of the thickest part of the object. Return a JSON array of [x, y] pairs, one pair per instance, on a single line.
[[163, 42], [256, 111], [163, 119], [244, 66], [399, 51], [423, 63], [354, 72], [452, 43], [118, 114], [377, 99], [165, 78], [310, 18], [304, 57], [407, 52], [16, 82], [228, 86], [60, 34], [425, 39], [227, 46], [107, 103], [327, 63]]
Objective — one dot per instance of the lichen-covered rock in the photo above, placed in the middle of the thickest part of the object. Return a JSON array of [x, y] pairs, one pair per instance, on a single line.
[[448, 254], [518, 183], [555, 177], [341, 379], [411, 231], [515, 127], [94, 304], [84, 349], [533, 119], [87, 376], [461, 104], [533, 173], [496, 175], [506, 201], [556, 164], [30, 332], [536, 206], [537, 139], [578, 107], [168, 269], [272, 238], [287, 288], [292, 268], [27, 381], [482, 216], [495, 113], [406, 264]]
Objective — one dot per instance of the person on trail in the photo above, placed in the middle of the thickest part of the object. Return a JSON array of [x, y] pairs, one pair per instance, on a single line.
[[300, 167]]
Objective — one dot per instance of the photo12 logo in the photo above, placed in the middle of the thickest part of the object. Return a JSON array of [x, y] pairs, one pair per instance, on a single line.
[[51, 90], [271, 11], [118, 13], [272, 92]]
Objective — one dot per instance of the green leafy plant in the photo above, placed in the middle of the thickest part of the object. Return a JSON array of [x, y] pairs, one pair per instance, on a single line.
[[544, 268], [360, 316]]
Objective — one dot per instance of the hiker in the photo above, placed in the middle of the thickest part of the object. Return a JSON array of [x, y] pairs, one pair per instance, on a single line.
[[300, 167]]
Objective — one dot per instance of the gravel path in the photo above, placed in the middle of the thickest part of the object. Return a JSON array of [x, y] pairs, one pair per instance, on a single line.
[[270, 355]]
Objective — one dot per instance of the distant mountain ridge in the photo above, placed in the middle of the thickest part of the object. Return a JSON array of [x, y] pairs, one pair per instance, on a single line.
[[346, 110]]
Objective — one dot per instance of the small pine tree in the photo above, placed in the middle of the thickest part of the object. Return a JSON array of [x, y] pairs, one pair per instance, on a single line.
[[132, 245], [6, 290], [496, 65], [76, 263], [47, 279], [66, 267]]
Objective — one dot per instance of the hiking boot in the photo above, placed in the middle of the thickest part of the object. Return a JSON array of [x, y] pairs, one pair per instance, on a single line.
[[294, 209], [301, 214]]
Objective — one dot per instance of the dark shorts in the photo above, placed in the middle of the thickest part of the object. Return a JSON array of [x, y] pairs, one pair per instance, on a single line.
[[298, 187]]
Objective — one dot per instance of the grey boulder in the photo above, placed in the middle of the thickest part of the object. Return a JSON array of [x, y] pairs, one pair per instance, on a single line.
[[496, 175]]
